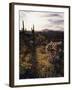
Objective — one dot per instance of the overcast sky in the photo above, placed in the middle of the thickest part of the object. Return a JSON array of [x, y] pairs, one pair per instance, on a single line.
[[42, 20]]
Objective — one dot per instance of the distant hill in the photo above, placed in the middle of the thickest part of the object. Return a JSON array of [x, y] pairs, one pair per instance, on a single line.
[[46, 30], [52, 35], [48, 35]]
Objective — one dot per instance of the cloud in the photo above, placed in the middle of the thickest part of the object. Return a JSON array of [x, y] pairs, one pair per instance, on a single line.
[[53, 14], [56, 21]]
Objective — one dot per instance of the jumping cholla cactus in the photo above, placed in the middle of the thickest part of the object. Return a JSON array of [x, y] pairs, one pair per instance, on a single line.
[[52, 50], [55, 56], [52, 46]]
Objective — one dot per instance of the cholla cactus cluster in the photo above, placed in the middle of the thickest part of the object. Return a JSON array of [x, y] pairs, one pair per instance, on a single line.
[[52, 49]]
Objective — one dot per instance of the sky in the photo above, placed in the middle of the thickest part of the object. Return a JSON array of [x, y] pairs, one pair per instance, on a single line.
[[42, 20]]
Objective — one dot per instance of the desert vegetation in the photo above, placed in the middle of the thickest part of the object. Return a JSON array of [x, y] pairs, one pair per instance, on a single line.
[[41, 54]]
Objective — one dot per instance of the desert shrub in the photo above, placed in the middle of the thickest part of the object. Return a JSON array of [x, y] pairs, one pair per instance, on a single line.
[[44, 67]]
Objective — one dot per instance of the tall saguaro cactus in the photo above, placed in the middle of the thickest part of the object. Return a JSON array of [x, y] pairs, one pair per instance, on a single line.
[[23, 25], [33, 49]]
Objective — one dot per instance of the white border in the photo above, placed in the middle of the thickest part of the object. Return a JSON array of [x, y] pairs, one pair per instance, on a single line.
[[16, 46]]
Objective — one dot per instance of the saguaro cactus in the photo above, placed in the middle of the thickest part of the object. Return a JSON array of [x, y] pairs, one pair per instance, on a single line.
[[33, 49], [23, 25]]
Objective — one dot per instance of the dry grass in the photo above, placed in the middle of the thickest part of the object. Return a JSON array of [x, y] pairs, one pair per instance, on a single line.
[[43, 67]]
